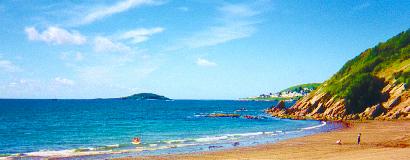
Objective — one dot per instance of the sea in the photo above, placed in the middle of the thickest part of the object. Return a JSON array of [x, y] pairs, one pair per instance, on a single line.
[[104, 128]]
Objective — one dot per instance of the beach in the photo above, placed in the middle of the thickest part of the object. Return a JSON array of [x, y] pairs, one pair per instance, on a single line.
[[379, 140]]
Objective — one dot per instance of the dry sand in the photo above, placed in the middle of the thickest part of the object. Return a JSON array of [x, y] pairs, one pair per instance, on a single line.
[[380, 140]]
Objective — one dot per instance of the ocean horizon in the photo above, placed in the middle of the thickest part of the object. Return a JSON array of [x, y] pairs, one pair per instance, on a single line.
[[102, 127]]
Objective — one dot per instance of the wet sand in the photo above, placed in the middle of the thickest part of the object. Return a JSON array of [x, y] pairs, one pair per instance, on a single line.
[[379, 140]]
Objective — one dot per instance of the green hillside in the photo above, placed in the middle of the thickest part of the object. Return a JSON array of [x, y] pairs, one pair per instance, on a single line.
[[361, 79], [299, 88]]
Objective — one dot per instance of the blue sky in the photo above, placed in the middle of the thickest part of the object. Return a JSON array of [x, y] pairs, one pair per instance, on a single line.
[[183, 49]]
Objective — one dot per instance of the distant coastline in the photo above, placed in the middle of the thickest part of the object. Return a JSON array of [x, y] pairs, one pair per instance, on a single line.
[[289, 94]]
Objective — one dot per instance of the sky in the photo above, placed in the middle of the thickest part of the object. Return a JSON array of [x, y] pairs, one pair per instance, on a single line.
[[197, 49]]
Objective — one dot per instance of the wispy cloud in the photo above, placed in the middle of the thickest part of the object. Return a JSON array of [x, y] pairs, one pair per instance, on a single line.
[[235, 21], [140, 34], [38, 88], [55, 35], [117, 43], [183, 9], [205, 63], [8, 66], [220, 34], [119, 7], [72, 56], [238, 10], [21, 88], [64, 81], [104, 44]]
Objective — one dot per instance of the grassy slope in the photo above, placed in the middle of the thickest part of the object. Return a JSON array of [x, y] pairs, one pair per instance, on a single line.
[[361, 79]]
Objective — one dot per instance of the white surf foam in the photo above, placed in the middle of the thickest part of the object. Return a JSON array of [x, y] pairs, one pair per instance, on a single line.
[[211, 138], [168, 144], [68, 152], [49, 153], [317, 126]]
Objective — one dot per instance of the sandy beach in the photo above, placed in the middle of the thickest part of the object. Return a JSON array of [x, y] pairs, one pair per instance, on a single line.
[[379, 140]]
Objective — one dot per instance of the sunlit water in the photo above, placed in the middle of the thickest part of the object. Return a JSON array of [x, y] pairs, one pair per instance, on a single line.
[[53, 127]]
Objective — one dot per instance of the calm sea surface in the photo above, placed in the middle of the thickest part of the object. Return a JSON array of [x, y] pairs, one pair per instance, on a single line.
[[47, 127]]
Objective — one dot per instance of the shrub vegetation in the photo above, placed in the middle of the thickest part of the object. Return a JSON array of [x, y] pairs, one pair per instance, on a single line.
[[359, 81]]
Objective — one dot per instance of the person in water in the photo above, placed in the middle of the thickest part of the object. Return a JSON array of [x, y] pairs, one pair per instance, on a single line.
[[136, 140], [358, 138]]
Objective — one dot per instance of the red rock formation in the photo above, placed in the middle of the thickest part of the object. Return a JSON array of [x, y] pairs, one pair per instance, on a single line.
[[320, 105]]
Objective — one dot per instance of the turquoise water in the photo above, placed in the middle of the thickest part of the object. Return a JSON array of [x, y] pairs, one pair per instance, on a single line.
[[41, 127]]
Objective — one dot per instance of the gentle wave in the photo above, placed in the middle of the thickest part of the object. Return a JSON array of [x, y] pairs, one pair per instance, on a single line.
[[63, 153], [323, 123], [208, 139], [110, 149]]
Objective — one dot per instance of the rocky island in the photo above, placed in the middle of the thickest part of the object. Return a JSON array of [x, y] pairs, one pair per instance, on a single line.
[[373, 85], [146, 96]]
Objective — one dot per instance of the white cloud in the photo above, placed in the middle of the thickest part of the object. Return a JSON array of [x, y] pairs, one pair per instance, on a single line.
[[235, 21], [64, 81], [141, 34], [8, 66], [55, 35], [113, 44], [238, 10], [220, 34], [205, 62], [119, 7], [104, 44]]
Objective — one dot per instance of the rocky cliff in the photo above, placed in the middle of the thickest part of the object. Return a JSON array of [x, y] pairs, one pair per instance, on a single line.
[[373, 85]]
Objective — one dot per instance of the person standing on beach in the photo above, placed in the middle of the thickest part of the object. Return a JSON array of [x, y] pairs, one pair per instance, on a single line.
[[358, 138]]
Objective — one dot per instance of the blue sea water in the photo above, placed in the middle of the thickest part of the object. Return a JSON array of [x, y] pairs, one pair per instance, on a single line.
[[37, 127]]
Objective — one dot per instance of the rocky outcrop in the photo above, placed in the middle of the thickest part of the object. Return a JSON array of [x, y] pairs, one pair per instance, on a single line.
[[279, 110], [320, 105], [398, 106], [370, 86]]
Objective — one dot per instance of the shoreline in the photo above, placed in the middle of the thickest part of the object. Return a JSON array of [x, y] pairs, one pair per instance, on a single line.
[[380, 140], [95, 154]]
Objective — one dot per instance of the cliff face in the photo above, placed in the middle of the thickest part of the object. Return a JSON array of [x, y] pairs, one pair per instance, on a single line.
[[374, 85], [322, 106]]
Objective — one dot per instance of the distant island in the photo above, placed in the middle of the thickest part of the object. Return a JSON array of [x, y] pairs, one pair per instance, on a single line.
[[146, 96], [291, 93]]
